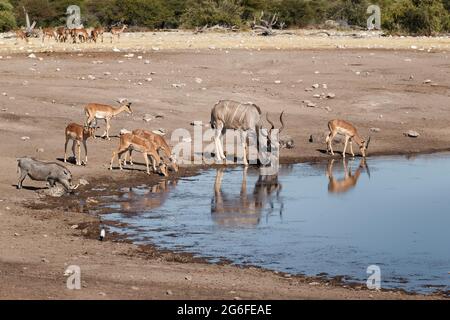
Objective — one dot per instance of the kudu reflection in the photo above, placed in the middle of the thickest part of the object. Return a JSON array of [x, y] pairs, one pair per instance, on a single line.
[[246, 208], [350, 179]]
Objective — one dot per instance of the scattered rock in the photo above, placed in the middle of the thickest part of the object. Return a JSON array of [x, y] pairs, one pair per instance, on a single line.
[[25, 138], [331, 95], [316, 86], [16, 234], [116, 50], [91, 77], [147, 118], [427, 81], [149, 79], [45, 260], [32, 56], [188, 278], [107, 73], [277, 81], [75, 226], [169, 292], [412, 134], [375, 129]]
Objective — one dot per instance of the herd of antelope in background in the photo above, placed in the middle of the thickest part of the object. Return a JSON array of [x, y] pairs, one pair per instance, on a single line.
[[80, 35]]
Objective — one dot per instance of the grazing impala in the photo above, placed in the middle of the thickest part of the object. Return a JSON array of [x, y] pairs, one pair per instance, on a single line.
[[161, 145], [96, 33], [244, 117], [116, 31], [81, 34], [78, 134], [20, 34], [130, 141], [49, 33], [350, 180], [351, 134], [95, 111]]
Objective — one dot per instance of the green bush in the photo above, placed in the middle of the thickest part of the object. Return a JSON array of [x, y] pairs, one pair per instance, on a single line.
[[212, 12], [7, 19], [425, 17]]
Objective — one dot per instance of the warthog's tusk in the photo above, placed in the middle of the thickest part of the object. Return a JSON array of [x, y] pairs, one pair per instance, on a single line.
[[75, 187]]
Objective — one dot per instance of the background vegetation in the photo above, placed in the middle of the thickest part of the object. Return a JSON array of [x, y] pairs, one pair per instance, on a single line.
[[426, 17]]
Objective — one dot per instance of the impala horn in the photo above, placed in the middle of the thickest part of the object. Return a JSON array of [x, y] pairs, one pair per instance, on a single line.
[[368, 142]]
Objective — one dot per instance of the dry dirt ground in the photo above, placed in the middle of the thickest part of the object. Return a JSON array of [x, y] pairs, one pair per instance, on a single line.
[[374, 88]]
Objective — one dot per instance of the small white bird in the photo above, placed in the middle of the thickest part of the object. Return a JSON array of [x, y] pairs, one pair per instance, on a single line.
[[102, 234]]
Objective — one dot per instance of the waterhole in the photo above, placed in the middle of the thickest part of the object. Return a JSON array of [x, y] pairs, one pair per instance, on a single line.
[[334, 218]]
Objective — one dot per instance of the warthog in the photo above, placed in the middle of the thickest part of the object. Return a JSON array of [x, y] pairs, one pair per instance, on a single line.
[[44, 171]]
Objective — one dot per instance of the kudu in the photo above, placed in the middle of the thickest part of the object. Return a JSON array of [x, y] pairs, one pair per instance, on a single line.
[[244, 209], [244, 117], [349, 181]]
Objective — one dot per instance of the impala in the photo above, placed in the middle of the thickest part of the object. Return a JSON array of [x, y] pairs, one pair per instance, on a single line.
[[351, 134], [130, 141], [244, 117], [20, 34], [96, 33], [95, 111], [48, 33], [116, 31], [350, 180], [81, 34], [160, 144], [78, 134]]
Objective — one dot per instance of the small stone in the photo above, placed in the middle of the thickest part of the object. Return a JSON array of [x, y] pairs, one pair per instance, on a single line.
[[107, 73], [91, 77], [427, 81], [58, 69], [102, 294], [188, 278], [316, 86], [134, 288], [169, 292], [25, 138], [198, 80], [32, 56], [16, 234], [40, 150], [277, 81], [116, 50], [83, 182], [314, 283], [147, 61], [149, 79], [147, 118], [328, 109], [324, 86], [375, 129], [75, 226], [412, 134], [331, 95], [45, 260], [311, 105]]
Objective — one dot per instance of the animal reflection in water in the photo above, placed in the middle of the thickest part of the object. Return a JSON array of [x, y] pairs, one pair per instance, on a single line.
[[137, 200], [245, 209], [349, 181]]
